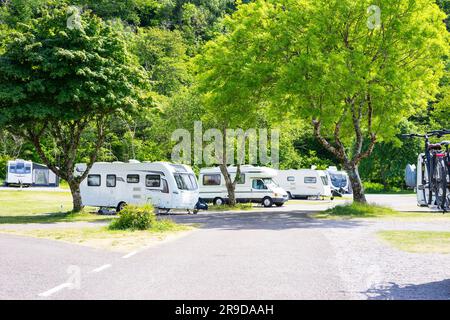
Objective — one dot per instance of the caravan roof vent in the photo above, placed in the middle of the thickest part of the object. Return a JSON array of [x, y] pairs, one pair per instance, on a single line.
[[133, 161]]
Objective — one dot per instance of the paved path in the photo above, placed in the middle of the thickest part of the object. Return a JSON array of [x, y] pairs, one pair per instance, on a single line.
[[257, 255]]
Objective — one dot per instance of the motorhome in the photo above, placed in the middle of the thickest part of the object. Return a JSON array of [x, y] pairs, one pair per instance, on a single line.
[[255, 185], [304, 183], [340, 182], [27, 173], [164, 185]]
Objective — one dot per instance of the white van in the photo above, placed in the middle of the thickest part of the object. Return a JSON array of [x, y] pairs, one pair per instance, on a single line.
[[255, 185], [27, 173], [304, 183], [113, 185]]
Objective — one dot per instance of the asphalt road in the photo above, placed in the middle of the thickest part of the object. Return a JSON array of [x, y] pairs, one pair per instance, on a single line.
[[258, 255]]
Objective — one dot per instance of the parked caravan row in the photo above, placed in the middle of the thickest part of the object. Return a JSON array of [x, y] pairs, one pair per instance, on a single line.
[[27, 173], [256, 185], [170, 186]]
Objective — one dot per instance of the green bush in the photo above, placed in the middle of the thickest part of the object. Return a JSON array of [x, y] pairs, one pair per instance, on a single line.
[[134, 218], [373, 187], [3, 162]]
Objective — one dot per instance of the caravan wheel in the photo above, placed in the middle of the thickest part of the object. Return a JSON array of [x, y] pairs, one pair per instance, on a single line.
[[218, 202], [267, 202], [120, 206]]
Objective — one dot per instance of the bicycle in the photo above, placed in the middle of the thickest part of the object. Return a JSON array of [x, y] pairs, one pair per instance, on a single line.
[[437, 166]]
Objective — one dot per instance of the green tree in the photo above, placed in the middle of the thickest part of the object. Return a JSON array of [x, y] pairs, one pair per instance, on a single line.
[[354, 74], [62, 76], [163, 55]]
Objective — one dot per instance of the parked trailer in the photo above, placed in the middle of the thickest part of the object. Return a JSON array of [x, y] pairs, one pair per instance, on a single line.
[[27, 173], [304, 183], [340, 182], [256, 185], [164, 185]]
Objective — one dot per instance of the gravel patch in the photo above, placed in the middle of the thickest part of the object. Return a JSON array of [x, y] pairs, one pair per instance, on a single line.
[[372, 269]]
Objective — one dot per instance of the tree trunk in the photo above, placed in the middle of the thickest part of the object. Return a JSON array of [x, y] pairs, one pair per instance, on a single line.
[[357, 186], [76, 195], [229, 184]]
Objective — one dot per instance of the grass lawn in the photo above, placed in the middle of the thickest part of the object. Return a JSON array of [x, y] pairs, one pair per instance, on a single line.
[[418, 241], [237, 207], [25, 206], [355, 210], [103, 238]]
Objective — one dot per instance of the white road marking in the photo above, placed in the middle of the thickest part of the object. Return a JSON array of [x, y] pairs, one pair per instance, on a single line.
[[55, 289], [129, 255], [104, 267]]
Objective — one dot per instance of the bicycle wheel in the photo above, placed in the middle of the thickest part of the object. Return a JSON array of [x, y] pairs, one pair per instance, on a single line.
[[426, 183], [440, 184]]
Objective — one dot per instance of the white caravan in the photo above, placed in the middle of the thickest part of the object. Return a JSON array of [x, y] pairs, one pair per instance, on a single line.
[[255, 185], [27, 173], [304, 183], [340, 183], [164, 185]]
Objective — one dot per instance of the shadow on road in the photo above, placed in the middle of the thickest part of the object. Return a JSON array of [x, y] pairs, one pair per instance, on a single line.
[[263, 221], [439, 290]]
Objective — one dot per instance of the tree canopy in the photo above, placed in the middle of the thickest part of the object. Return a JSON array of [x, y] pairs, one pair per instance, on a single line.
[[60, 80], [322, 61]]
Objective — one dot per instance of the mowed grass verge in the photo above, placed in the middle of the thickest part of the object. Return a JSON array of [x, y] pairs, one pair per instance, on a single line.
[[104, 238], [27, 206], [418, 241], [46, 207]]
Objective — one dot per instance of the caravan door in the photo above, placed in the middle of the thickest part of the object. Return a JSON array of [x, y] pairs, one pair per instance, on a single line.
[[157, 191]]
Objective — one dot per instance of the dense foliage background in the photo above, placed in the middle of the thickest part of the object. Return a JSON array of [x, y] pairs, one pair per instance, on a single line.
[[164, 37]]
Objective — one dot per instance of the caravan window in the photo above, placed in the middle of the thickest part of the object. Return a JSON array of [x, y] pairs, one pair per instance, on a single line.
[[20, 167], [292, 179], [153, 180], [165, 186], [211, 180], [133, 178], [310, 180], [111, 180], [193, 181], [185, 181], [259, 185], [339, 180], [94, 180], [12, 169], [324, 180]]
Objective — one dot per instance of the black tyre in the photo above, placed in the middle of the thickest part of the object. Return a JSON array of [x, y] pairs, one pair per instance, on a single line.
[[121, 206], [267, 202], [440, 184], [218, 201]]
